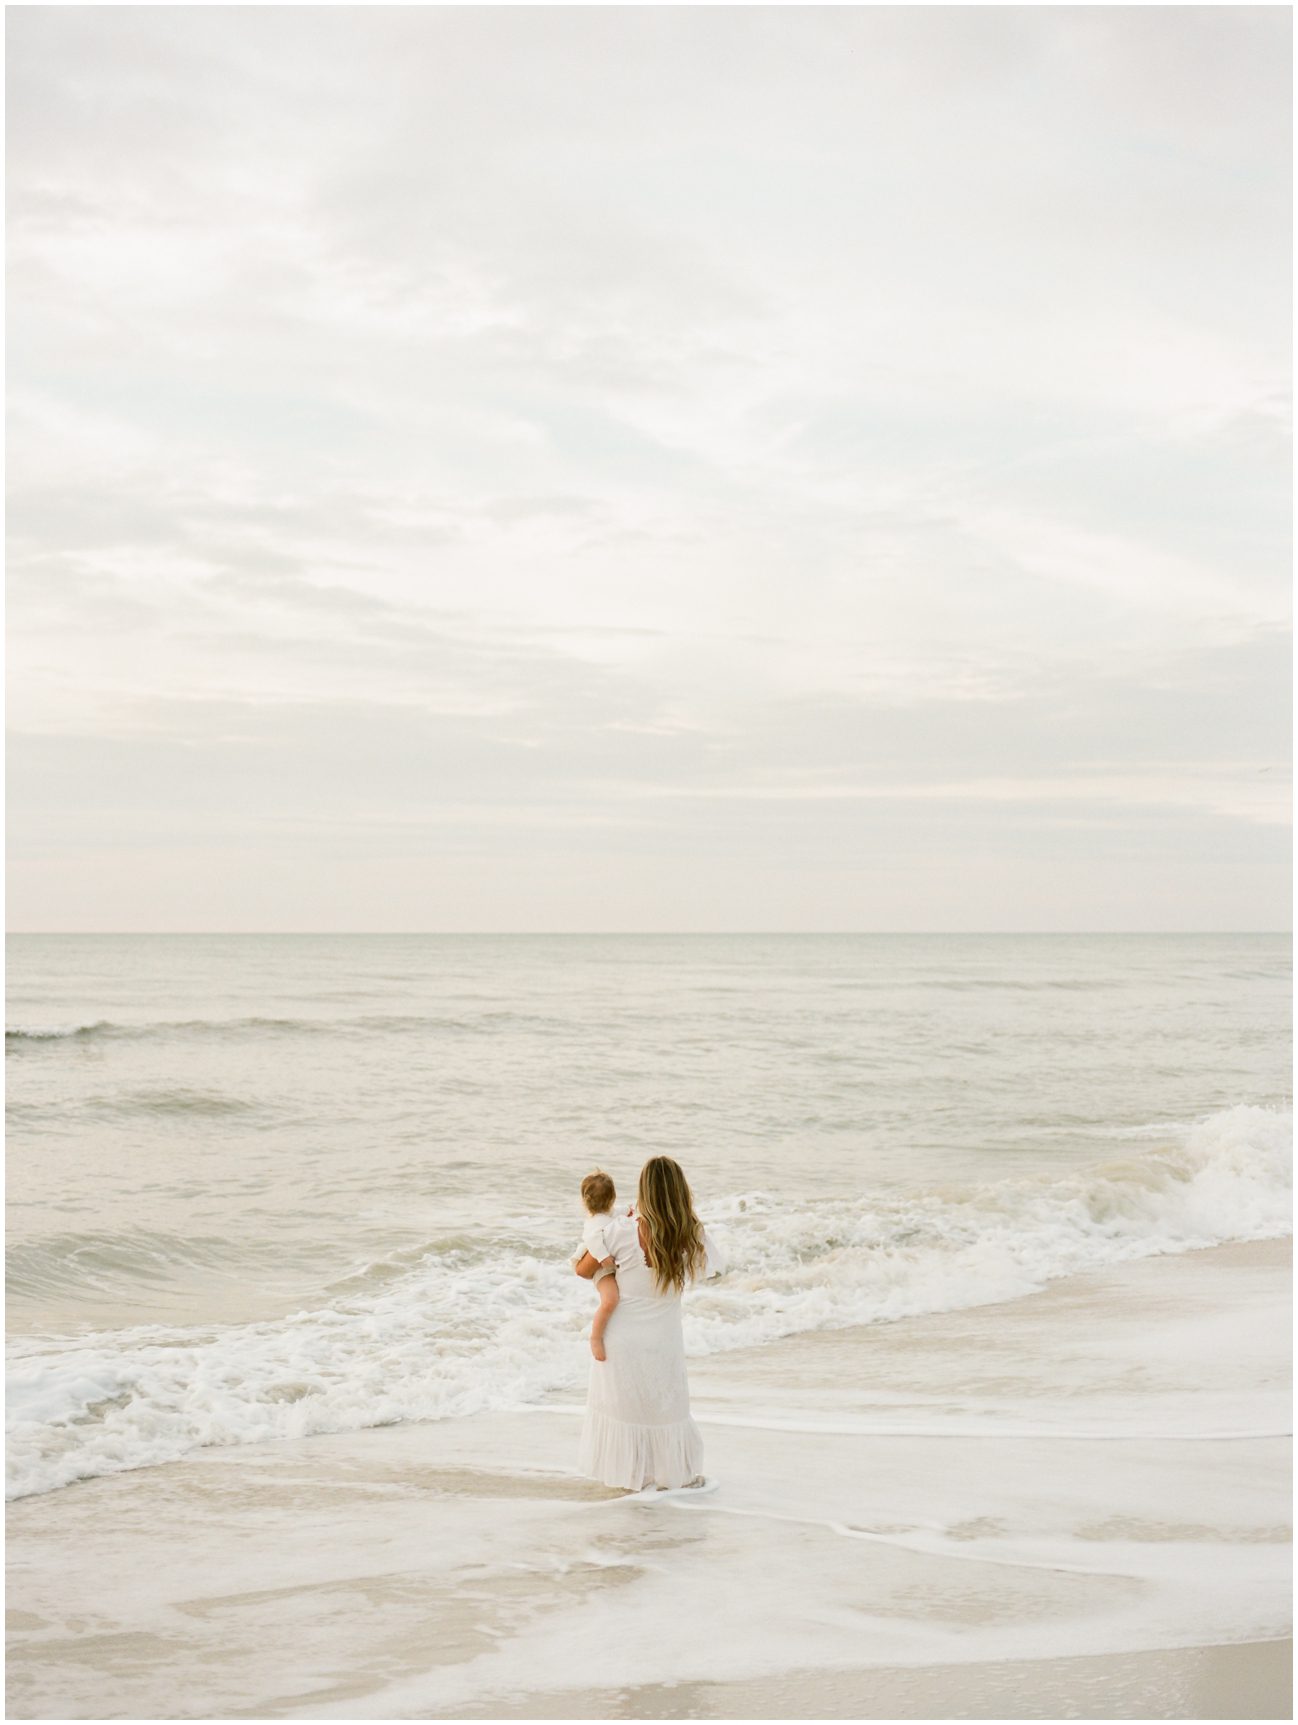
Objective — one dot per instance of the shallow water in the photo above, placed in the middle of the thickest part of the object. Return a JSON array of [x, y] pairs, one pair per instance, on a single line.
[[263, 1186], [1091, 1470]]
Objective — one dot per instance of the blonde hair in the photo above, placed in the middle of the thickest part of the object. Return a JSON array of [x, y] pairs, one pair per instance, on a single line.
[[674, 1247], [598, 1192]]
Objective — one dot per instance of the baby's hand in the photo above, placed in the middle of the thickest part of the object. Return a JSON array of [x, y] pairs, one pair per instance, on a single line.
[[597, 1348]]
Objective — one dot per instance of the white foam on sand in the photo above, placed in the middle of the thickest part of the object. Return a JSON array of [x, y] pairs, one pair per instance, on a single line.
[[462, 1564]]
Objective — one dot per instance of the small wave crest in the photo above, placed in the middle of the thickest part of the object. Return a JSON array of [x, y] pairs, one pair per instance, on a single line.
[[106, 1030], [21, 1038], [438, 1331], [181, 1102], [118, 1263]]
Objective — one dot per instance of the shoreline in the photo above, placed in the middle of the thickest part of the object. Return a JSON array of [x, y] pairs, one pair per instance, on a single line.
[[1103, 1469]]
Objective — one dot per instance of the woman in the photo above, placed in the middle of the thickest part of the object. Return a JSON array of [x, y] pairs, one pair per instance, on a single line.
[[638, 1431]]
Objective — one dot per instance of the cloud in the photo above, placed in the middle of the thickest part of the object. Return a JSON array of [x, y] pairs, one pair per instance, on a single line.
[[523, 424]]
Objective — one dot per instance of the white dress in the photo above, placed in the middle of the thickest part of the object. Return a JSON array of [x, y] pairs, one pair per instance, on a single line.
[[638, 1430]]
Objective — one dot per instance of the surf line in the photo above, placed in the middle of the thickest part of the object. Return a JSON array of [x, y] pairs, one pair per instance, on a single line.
[[927, 1544], [1002, 1434]]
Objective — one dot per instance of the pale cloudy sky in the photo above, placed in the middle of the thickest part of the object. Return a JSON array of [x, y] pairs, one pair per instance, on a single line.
[[649, 468]]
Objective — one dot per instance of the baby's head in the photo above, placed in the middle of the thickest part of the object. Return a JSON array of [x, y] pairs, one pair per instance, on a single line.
[[598, 1193]]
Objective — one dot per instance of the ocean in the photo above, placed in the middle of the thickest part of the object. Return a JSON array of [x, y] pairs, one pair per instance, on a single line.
[[269, 1186]]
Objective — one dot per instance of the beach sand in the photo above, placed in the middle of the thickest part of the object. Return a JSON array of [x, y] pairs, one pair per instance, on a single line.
[[1074, 1505]]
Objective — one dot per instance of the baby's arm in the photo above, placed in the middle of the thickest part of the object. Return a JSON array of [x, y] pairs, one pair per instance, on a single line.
[[607, 1289]]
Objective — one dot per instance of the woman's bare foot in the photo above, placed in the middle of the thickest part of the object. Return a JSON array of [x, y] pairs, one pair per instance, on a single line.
[[597, 1348]]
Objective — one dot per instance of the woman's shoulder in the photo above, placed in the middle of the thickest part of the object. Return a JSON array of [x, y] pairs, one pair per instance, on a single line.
[[623, 1228]]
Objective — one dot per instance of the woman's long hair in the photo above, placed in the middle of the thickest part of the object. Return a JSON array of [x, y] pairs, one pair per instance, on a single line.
[[674, 1247]]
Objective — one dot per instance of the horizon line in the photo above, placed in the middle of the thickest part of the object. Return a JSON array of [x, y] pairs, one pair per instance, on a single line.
[[619, 933]]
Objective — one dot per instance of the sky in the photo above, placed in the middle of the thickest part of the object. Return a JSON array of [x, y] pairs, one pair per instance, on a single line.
[[664, 469]]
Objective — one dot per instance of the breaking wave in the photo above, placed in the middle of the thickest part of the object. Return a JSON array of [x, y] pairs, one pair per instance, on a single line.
[[438, 1332]]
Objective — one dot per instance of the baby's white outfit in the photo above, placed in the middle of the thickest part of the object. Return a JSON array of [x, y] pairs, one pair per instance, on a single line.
[[600, 1237]]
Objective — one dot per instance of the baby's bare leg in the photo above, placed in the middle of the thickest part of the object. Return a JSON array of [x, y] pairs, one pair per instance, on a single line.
[[607, 1289]]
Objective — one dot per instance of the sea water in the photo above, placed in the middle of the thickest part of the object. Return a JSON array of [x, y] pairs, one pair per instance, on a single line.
[[272, 1185]]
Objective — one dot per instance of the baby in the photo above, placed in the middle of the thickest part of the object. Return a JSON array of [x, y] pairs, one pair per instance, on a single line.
[[599, 1195]]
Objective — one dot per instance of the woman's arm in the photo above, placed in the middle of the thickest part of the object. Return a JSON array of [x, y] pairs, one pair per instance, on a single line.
[[714, 1258]]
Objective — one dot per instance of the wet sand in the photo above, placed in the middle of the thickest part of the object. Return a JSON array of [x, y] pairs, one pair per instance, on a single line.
[[1072, 1505], [1253, 1680]]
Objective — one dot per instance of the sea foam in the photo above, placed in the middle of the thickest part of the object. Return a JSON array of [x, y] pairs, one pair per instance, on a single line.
[[454, 1332]]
